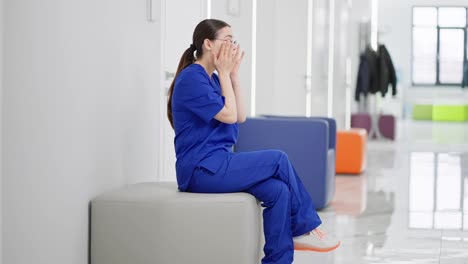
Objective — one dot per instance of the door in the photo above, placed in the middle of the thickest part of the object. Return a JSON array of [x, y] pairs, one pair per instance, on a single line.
[[178, 18], [281, 57]]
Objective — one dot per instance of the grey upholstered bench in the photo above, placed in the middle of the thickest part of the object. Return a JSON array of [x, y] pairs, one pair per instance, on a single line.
[[154, 223]]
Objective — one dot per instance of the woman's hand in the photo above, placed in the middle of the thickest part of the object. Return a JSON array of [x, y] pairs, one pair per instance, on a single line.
[[238, 56], [224, 60]]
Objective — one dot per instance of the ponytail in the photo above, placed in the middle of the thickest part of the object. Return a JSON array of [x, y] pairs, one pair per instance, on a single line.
[[186, 59]]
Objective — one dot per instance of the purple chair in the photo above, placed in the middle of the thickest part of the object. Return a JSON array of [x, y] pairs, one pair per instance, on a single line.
[[361, 120], [309, 143], [385, 124]]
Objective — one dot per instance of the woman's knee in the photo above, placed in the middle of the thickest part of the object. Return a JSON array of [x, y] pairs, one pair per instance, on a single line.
[[281, 154], [283, 161], [275, 191]]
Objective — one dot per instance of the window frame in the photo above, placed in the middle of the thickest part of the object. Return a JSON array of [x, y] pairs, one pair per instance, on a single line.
[[438, 28]]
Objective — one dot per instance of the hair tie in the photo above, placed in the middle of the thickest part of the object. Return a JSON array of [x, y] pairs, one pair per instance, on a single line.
[[193, 47]]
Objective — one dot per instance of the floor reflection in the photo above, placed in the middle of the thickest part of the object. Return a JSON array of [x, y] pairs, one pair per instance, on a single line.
[[437, 198], [409, 205]]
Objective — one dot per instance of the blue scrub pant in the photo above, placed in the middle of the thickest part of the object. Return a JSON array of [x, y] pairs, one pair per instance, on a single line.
[[269, 176]]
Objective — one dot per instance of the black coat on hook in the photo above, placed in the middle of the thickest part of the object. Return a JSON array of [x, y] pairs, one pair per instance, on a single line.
[[376, 72], [386, 71], [367, 74], [465, 75]]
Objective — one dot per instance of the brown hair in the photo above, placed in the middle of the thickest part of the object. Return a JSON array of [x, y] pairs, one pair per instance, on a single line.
[[206, 29]]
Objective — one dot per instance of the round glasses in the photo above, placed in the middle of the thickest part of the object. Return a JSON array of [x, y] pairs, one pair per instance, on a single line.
[[233, 41]]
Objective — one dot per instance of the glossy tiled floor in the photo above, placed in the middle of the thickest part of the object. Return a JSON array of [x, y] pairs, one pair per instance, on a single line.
[[410, 205]]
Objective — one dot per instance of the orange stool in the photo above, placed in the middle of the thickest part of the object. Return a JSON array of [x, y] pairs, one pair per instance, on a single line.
[[351, 151]]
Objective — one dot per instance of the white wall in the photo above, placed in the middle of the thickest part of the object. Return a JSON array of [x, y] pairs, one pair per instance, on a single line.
[[1, 104], [79, 117], [320, 52], [281, 57], [397, 36], [266, 41]]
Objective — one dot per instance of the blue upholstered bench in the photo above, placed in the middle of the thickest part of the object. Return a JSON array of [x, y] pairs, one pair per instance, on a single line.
[[309, 142]]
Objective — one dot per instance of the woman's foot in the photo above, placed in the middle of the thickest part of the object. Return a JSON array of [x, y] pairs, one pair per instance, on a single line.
[[316, 240]]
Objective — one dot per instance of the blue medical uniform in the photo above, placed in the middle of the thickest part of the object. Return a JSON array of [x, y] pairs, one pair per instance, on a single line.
[[207, 164]]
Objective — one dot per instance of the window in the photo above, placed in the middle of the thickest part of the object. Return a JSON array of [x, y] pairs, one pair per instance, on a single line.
[[439, 45]]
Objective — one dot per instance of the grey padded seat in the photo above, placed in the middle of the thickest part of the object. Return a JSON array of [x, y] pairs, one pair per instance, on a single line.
[[154, 223]]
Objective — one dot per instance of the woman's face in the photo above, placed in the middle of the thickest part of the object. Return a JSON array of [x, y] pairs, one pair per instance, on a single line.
[[223, 35]]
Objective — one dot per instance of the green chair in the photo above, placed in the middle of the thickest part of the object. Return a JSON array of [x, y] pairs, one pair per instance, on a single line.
[[466, 112], [453, 113], [422, 112]]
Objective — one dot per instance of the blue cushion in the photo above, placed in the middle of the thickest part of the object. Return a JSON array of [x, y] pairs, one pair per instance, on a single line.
[[331, 125]]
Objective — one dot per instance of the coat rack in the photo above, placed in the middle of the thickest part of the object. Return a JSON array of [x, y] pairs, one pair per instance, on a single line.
[[368, 106]]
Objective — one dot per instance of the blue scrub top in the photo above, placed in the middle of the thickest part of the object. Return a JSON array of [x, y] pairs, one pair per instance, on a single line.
[[200, 140]]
